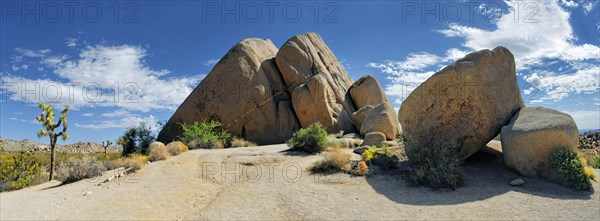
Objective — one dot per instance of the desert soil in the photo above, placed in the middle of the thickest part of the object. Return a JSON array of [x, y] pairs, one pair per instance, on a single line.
[[269, 183]]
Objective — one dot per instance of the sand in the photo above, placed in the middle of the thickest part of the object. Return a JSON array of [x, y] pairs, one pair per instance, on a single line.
[[271, 184]]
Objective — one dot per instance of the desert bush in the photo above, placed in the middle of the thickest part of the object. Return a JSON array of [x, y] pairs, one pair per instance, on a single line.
[[434, 162], [19, 171], [380, 157], [239, 142], [596, 163], [135, 162], [136, 139], [158, 151], [335, 161], [175, 148], [569, 165], [311, 139], [204, 135], [113, 164], [77, 169]]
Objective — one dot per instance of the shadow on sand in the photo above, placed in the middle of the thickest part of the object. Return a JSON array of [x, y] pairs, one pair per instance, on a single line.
[[485, 177]]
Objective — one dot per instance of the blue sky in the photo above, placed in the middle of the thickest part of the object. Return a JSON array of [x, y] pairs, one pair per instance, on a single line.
[[120, 63]]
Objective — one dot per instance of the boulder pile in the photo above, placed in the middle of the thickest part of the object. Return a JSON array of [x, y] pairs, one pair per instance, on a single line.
[[264, 94]]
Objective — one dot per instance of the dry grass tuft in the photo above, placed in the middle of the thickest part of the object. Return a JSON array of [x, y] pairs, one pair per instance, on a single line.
[[135, 162], [239, 142], [158, 151], [175, 148], [335, 161]]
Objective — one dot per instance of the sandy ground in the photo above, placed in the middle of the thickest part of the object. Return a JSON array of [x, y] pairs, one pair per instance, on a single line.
[[271, 184]]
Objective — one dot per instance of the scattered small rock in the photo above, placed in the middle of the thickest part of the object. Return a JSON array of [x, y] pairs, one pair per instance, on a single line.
[[517, 182], [362, 149], [87, 194]]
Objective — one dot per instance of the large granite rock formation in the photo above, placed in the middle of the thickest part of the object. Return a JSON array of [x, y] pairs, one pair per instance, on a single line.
[[264, 95]]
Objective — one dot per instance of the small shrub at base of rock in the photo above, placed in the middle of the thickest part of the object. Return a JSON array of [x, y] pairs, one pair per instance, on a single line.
[[204, 135], [311, 139], [158, 151], [239, 142], [77, 169], [569, 165], [434, 163], [335, 161]]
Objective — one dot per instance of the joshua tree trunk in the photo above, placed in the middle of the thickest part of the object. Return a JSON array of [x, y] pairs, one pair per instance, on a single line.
[[52, 157]]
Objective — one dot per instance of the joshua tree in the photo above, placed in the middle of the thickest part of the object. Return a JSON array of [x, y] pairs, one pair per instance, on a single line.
[[108, 143], [48, 126]]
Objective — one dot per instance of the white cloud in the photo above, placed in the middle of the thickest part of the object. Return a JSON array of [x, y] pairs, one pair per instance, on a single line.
[[407, 74], [569, 3], [538, 42], [87, 114], [559, 86], [210, 63], [109, 76], [121, 119], [71, 42], [588, 7], [586, 119], [545, 35], [19, 68]]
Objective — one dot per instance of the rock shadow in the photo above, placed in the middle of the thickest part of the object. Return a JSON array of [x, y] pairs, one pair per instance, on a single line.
[[485, 176]]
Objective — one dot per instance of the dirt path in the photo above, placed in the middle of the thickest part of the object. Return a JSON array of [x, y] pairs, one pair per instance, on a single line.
[[268, 183]]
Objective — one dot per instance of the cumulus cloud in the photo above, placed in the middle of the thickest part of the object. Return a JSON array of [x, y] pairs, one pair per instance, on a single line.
[[101, 75], [405, 75], [210, 63], [537, 42]]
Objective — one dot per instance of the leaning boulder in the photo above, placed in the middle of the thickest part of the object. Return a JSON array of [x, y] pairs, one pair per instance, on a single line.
[[467, 102], [367, 91], [532, 136]]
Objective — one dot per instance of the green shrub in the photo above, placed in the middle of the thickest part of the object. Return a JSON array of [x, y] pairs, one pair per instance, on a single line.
[[136, 139], [568, 164], [433, 162], [78, 169], [380, 157], [596, 163], [19, 171], [311, 139], [204, 135]]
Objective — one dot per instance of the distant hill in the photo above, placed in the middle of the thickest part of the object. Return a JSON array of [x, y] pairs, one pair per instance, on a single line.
[[80, 147]]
